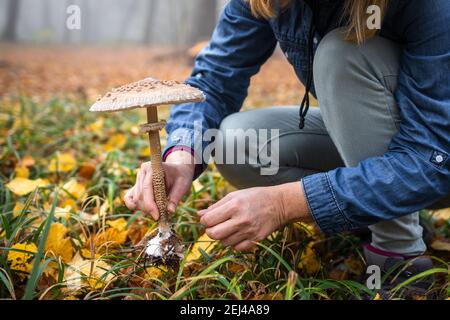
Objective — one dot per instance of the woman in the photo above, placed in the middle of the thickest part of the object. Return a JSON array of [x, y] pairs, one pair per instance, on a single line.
[[373, 155]]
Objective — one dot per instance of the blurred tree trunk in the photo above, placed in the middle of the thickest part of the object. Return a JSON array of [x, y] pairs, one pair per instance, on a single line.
[[66, 37], [91, 21], [10, 32], [204, 20], [130, 14], [151, 9]]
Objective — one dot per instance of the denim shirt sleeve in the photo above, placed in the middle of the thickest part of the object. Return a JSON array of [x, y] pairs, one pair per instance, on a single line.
[[239, 46], [415, 171]]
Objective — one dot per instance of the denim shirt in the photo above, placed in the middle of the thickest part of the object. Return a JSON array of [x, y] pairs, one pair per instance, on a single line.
[[415, 171]]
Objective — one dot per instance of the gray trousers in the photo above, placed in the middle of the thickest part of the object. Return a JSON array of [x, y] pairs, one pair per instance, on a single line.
[[357, 119]]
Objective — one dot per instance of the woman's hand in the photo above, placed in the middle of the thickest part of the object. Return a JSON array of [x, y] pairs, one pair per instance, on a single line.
[[179, 171], [245, 217]]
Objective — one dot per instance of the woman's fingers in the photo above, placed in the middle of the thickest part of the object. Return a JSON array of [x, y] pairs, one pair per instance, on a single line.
[[140, 180], [214, 206], [221, 213], [130, 200], [175, 194], [148, 201], [234, 239], [223, 230], [245, 245]]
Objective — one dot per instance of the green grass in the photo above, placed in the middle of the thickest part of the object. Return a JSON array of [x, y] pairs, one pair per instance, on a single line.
[[44, 129]]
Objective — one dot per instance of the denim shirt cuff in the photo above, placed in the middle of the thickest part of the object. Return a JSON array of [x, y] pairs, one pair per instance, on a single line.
[[184, 137], [323, 205]]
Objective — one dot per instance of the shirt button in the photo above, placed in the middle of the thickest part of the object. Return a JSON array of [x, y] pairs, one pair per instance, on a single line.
[[315, 40], [439, 159]]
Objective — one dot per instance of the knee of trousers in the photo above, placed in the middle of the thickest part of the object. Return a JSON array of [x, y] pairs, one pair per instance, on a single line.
[[339, 64]]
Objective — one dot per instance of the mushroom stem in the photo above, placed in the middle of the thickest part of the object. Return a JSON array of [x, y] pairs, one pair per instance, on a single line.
[[159, 183]]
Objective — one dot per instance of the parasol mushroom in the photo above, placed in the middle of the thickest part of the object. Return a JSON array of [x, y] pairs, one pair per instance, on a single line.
[[150, 93]]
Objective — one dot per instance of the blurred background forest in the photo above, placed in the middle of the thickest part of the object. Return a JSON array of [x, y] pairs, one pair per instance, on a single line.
[[151, 22], [118, 41]]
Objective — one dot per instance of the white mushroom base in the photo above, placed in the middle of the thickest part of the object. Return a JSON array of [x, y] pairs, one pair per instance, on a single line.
[[165, 248]]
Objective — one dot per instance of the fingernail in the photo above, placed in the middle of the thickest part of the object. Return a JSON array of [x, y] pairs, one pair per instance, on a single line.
[[201, 212], [171, 207]]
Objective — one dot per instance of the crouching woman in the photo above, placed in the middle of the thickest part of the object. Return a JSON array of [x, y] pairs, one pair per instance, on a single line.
[[374, 153]]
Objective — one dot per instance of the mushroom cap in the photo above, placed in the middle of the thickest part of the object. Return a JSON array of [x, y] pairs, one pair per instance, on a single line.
[[147, 93]]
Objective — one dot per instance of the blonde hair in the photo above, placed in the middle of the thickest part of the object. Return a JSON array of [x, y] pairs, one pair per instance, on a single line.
[[357, 30]]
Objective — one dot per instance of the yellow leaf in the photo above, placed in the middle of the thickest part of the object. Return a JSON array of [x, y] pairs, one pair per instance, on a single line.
[[91, 273], [57, 242], [154, 272], [18, 209], [63, 162], [109, 238], [22, 261], [22, 186], [86, 253], [28, 161], [116, 142], [442, 214], [197, 185], [305, 227], [377, 297], [145, 152], [22, 172], [76, 190], [68, 202], [97, 126], [87, 170], [204, 243], [309, 261], [440, 245], [118, 224]]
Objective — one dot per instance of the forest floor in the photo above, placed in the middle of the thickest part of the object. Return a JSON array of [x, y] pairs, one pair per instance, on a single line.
[[66, 234]]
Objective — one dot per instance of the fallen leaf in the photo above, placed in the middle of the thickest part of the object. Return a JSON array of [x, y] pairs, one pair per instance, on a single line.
[[145, 152], [22, 261], [63, 162], [75, 189], [22, 172], [18, 208], [309, 261], [440, 245], [111, 237], [82, 273], [154, 272], [377, 297], [443, 214], [97, 126], [22, 186], [57, 242], [203, 243], [118, 224], [28, 161], [86, 170], [116, 142]]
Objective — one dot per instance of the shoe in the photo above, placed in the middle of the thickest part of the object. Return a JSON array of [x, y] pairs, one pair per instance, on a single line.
[[396, 269]]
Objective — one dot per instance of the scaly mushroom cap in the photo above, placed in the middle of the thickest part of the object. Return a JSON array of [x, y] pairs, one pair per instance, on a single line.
[[146, 93]]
